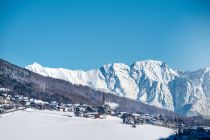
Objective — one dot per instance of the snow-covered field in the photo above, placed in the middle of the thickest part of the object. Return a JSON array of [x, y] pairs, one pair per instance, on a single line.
[[53, 125]]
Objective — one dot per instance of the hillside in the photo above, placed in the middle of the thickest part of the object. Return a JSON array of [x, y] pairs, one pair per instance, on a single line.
[[25, 82], [151, 82]]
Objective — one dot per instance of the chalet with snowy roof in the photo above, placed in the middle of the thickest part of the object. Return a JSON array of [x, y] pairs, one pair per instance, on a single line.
[[5, 106], [91, 115], [39, 104], [78, 112], [104, 109], [53, 105], [25, 103], [5, 98], [71, 107], [138, 118], [84, 110], [63, 107], [18, 98], [128, 118]]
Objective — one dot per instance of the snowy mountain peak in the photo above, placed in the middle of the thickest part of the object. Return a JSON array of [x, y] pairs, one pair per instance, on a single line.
[[116, 67], [206, 69], [35, 67], [149, 81], [148, 62], [154, 70], [36, 64]]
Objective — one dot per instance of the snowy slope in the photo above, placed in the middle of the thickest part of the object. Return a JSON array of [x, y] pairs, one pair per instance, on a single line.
[[53, 125], [149, 81]]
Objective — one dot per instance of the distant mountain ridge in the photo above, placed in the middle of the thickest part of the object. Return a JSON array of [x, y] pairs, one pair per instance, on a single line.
[[151, 82], [21, 81]]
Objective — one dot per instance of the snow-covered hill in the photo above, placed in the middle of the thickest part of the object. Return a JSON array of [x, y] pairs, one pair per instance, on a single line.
[[54, 125], [152, 82]]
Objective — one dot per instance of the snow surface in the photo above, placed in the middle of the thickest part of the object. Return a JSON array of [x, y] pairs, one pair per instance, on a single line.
[[54, 125], [149, 81]]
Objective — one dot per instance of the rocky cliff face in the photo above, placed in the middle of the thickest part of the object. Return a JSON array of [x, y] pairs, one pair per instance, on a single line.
[[24, 82], [152, 82]]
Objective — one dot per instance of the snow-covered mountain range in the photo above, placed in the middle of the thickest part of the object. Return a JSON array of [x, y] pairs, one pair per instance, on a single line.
[[151, 82]]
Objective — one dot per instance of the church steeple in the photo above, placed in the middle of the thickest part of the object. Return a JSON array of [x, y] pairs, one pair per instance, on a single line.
[[103, 99]]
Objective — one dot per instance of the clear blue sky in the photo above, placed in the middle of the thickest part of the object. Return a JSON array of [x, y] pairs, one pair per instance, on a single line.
[[85, 34]]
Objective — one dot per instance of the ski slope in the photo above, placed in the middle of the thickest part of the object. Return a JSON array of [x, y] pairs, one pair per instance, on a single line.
[[53, 125]]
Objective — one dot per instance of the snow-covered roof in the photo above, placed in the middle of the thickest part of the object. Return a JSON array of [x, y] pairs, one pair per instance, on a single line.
[[39, 102], [112, 105]]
